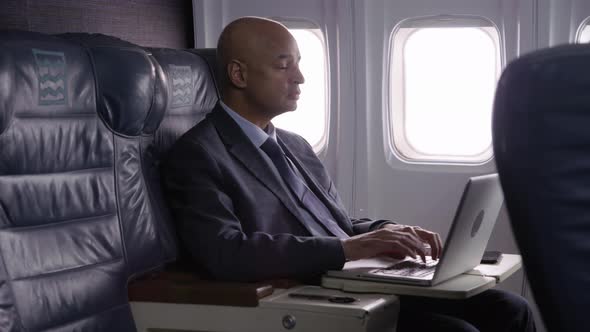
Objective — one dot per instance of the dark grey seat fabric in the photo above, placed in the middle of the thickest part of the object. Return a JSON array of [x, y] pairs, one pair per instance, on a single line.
[[541, 130], [80, 205]]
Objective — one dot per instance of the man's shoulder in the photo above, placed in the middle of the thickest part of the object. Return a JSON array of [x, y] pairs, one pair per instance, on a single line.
[[294, 141], [300, 148], [200, 133], [201, 137]]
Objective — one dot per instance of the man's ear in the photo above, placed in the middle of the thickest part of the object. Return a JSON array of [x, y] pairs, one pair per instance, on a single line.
[[237, 73]]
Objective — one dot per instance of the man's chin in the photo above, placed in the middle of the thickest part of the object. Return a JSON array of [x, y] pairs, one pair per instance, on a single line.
[[287, 109], [291, 106]]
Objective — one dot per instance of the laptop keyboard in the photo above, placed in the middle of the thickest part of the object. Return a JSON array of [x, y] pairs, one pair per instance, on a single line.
[[411, 268]]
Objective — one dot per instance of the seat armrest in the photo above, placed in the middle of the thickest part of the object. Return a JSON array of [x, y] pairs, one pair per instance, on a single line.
[[187, 288]]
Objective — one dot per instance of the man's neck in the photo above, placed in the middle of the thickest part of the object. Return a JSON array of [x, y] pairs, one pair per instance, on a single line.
[[247, 113]]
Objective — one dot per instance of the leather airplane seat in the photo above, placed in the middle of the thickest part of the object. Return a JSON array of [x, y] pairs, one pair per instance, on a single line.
[[541, 134], [80, 212], [192, 94], [132, 99]]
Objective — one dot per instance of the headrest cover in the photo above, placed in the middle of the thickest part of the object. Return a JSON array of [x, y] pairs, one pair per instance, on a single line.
[[190, 83], [42, 76], [131, 88]]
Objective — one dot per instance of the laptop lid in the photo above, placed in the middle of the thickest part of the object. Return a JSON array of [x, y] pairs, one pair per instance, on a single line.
[[470, 231], [472, 227]]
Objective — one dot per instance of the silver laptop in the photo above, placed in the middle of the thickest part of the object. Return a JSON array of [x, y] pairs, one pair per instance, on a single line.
[[468, 237]]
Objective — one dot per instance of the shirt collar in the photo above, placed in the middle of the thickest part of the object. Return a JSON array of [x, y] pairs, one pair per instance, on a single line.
[[256, 135]]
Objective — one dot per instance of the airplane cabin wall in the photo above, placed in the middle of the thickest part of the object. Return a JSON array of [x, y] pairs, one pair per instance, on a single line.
[[559, 20]]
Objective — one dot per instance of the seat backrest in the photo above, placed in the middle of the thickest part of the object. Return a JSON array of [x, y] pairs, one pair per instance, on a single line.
[[192, 91], [79, 207], [541, 130], [132, 101]]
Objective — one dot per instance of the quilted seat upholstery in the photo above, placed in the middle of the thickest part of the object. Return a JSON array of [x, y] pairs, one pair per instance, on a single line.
[[80, 211]]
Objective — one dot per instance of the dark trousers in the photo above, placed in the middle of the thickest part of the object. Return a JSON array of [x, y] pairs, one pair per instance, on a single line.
[[490, 311]]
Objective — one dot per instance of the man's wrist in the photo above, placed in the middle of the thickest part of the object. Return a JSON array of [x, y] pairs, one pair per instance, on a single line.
[[345, 249]]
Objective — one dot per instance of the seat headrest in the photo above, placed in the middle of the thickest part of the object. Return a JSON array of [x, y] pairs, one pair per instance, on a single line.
[[132, 92], [191, 85], [192, 93], [541, 146], [546, 91], [43, 76]]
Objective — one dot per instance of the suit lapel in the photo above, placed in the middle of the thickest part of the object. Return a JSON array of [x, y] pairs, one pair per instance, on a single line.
[[337, 212], [240, 146]]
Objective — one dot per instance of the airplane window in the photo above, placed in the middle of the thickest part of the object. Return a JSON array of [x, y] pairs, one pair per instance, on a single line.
[[584, 36], [311, 117], [441, 93]]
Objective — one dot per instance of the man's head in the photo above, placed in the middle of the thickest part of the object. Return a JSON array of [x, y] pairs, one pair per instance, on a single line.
[[259, 59]]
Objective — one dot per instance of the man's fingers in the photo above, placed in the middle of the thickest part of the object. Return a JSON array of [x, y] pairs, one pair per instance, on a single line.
[[405, 233], [400, 241], [426, 242], [396, 247], [436, 245], [433, 239], [430, 239], [399, 250], [414, 245], [418, 241], [439, 246]]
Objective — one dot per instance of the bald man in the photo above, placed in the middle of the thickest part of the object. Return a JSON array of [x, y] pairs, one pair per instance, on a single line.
[[252, 201]]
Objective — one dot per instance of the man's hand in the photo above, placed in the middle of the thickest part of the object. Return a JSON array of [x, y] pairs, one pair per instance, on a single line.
[[393, 240]]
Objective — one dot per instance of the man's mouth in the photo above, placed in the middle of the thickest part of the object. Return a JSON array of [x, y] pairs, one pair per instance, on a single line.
[[294, 95]]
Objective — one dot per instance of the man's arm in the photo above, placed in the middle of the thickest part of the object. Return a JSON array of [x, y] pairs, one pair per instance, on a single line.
[[365, 225], [373, 237], [197, 192]]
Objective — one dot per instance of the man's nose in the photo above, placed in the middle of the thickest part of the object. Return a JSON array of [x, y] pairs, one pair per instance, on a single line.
[[298, 76]]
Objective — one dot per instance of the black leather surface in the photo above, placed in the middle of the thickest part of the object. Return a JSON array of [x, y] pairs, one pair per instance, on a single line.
[[61, 249], [132, 100], [81, 211], [541, 129], [191, 87], [192, 94]]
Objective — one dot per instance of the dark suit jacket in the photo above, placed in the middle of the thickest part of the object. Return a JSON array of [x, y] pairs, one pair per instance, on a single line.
[[235, 216]]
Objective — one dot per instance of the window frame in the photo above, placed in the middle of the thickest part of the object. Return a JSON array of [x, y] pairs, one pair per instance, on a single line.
[[583, 26], [396, 144], [321, 146]]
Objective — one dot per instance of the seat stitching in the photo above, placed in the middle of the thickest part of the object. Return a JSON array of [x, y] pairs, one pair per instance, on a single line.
[[68, 270]]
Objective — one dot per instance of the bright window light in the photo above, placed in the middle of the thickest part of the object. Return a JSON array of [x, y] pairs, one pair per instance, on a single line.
[[311, 116], [442, 93], [585, 35]]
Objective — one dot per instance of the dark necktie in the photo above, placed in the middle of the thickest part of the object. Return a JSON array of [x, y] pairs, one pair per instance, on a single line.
[[305, 196]]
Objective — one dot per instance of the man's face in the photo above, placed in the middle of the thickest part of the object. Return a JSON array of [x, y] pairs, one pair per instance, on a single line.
[[273, 76]]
